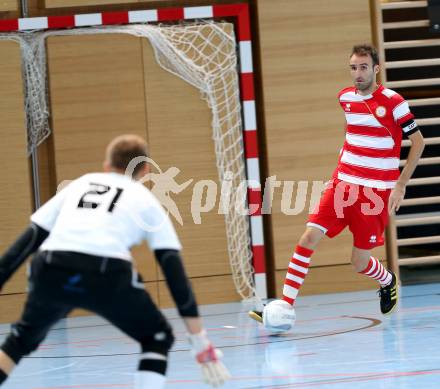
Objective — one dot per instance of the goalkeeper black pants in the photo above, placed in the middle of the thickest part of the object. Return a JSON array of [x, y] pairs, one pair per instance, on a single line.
[[109, 287]]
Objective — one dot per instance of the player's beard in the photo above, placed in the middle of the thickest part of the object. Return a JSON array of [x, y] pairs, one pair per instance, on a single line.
[[364, 85]]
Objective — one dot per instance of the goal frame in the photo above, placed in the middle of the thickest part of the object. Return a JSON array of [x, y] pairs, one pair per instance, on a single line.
[[239, 14]]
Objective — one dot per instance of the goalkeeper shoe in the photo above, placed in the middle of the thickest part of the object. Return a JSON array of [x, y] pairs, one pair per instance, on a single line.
[[256, 315], [389, 296]]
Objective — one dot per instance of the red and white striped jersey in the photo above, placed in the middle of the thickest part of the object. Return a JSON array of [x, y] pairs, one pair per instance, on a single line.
[[371, 152]]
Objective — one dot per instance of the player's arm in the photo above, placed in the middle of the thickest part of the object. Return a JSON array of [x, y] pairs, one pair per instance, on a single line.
[[26, 244], [31, 239], [163, 240], [170, 261], [415, 152]]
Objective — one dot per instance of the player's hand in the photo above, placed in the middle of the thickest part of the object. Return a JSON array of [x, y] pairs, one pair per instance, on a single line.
[[213, 370], [396, 198]]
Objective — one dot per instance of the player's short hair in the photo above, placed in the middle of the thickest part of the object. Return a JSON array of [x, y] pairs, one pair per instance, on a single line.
[[123, 149], [365, 50]]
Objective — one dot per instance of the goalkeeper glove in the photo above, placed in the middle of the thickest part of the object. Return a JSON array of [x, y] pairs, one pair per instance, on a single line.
[[213, 370]]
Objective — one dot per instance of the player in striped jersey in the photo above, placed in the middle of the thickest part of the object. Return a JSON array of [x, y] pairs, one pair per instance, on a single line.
[[84, 235], [367, 184]]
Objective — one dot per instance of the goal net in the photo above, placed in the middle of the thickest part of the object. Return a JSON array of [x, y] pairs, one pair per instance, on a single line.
[[203, 54]]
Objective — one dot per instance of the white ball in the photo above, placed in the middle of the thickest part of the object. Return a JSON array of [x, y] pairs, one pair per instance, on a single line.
[[278, 316]]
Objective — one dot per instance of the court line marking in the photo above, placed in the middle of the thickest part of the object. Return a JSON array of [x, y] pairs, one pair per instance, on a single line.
[[88, 386], [268, 339], [49, 370], [374, 377], [245, 313], [350, 377]]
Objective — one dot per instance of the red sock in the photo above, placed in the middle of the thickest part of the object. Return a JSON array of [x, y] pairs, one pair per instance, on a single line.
[[378, 272], [296, 272]]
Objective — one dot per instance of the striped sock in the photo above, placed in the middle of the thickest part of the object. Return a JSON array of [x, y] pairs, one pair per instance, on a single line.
[[296, 272], [378, 272]]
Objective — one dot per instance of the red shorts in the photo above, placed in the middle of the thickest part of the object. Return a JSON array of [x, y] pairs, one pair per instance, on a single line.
[[364, 210]]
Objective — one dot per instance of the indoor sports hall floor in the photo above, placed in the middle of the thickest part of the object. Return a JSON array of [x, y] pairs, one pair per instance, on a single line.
[[340, 341]]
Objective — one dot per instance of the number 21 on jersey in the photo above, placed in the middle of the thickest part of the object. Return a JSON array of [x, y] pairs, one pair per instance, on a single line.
[[91, 200]]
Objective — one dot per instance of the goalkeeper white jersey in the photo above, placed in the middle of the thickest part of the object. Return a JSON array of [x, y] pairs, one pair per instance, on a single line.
[[105, 214]]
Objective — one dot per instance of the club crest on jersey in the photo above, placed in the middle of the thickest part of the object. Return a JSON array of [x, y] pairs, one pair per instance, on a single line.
[[381, 111], [347, 107]]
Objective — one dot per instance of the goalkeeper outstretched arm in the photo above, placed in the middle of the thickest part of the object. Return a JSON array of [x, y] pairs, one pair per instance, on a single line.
[[172, 267], [213, 370], [31, 239], [26, 244]]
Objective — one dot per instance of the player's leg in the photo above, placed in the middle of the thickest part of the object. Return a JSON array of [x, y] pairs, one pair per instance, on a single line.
[[133, 312], [300, 262], [298, 267], [327, 219], [6, 366], [155, 346], [370, 266], [366, 264], [26, 334], [324, 220], [38, 316], [367, 226], [155, 342]]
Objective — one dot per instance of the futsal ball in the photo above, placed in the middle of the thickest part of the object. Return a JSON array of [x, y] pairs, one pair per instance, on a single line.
[[278, 316]]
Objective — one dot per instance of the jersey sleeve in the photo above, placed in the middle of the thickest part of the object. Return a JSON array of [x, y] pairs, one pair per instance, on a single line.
[[401, 112], [46, 216], [159, 232], [341, 96]]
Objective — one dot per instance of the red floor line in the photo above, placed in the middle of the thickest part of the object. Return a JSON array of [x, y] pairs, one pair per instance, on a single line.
[[376, 377], [89, 386], [348, 376], [360, 377]]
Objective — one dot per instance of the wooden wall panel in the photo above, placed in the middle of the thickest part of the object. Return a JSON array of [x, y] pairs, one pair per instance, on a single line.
[[11, 306], [82, 3], [208, 290], [97, 93], [304, 53], [102, 86], [66, 7], [180, 135], [9, 5], [15, 183]]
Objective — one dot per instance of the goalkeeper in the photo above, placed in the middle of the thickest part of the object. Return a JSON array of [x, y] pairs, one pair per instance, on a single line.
[[83, 236]]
